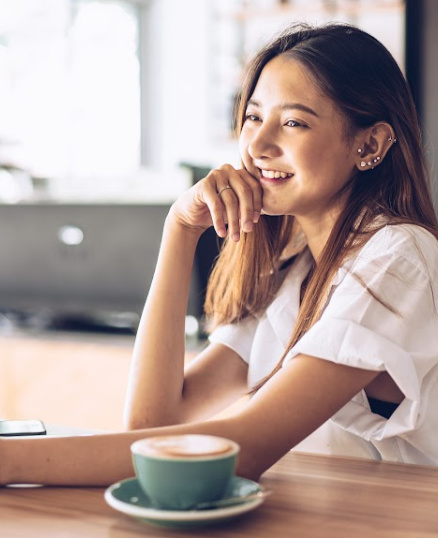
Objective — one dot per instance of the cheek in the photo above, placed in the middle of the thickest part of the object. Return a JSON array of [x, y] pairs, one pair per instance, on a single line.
[[307, 160], [323, 159]]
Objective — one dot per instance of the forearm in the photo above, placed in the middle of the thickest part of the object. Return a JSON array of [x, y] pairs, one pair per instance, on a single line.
[[96, 460], [293, 403], [157, 372]]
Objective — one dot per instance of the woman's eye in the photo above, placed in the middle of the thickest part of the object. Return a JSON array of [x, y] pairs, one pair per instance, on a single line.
[[293, 123], [252, 117]]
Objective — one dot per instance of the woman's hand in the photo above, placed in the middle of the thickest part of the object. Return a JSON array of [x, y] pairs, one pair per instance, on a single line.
[[225, 196]]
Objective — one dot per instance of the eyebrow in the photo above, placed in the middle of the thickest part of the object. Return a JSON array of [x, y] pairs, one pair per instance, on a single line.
[[288, 106]]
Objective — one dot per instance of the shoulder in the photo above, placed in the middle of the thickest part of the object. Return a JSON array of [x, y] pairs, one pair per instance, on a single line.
[[398, 266], [404, 243]]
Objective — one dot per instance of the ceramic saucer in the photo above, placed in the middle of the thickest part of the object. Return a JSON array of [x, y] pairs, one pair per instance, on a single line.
[[127, 497]]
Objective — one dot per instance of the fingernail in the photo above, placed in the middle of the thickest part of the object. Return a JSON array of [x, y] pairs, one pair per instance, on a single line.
[[248, 226], [235, 236], [222, 232], [256, 216]]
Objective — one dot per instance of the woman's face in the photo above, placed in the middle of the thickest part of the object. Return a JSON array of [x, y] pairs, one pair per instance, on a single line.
[[293, 141]]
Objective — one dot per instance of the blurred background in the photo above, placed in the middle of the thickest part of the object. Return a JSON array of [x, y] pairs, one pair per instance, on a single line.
[[96, 96], [108, 110]]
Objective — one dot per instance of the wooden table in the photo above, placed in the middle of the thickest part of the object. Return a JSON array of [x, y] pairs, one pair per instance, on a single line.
[[314, 496]]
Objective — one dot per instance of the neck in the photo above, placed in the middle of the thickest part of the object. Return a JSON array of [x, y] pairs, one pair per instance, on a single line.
[[317, 232]]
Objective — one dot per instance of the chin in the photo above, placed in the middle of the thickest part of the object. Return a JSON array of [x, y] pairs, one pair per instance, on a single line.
[[273, 213], [273, 209]]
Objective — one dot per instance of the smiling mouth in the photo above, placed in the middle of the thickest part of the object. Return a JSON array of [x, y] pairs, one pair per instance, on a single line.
[[274, 174]]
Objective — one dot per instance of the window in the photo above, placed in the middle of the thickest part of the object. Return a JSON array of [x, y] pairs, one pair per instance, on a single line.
[[70, 91]]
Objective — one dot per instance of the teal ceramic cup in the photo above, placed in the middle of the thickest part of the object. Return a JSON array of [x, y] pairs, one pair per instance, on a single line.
[[179, 472]]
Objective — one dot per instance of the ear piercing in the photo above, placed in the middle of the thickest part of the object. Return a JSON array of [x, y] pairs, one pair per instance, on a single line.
[[369, 163], [392, 139]]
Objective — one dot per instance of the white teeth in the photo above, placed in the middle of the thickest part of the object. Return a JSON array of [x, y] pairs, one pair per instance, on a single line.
[[271, 174]]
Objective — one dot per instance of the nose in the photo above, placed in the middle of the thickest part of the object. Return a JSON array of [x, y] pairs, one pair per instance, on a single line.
[[264, 143]]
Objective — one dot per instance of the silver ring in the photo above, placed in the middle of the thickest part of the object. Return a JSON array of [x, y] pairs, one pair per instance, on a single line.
[[223, 189]]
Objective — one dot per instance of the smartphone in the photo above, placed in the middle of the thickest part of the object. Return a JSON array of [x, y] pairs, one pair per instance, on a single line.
[[9, 428]]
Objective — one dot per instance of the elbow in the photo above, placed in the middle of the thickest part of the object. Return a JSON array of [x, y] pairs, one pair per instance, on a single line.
[[131, 424], [134, 421], [130, 420]]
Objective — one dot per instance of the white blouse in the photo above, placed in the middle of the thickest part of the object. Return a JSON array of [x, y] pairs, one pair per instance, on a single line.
[[399, 264]]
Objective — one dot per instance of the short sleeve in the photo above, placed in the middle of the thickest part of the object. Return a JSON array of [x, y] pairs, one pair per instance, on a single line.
[[238, 336], [380, 316]]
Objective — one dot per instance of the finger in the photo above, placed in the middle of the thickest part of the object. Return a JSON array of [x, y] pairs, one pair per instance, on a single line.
[[232, 210], [223, 202], [216, 181], [237, 198], [249, 195], [257, 194], [233, 197]]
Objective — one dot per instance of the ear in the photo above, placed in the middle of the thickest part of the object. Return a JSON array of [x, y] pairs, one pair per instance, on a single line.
[[373, 144]]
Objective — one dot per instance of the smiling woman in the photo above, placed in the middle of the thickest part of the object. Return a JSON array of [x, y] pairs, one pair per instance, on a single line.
[[324, 297], [289, 125]]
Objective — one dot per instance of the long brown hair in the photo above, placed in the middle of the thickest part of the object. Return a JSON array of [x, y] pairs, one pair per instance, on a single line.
[[361, 77]]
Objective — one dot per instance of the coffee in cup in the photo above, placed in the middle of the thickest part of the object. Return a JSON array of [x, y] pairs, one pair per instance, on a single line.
[[178, 472]]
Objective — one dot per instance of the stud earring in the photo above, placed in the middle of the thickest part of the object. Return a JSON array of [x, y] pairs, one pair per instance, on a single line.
[[359, 150], [376, 160], [363, 163], [391, 139]]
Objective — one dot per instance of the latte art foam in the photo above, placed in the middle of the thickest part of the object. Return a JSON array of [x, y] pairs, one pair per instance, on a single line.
[[185, 446]]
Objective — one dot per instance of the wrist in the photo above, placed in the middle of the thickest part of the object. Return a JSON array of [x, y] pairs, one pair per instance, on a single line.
[[175, 226]]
